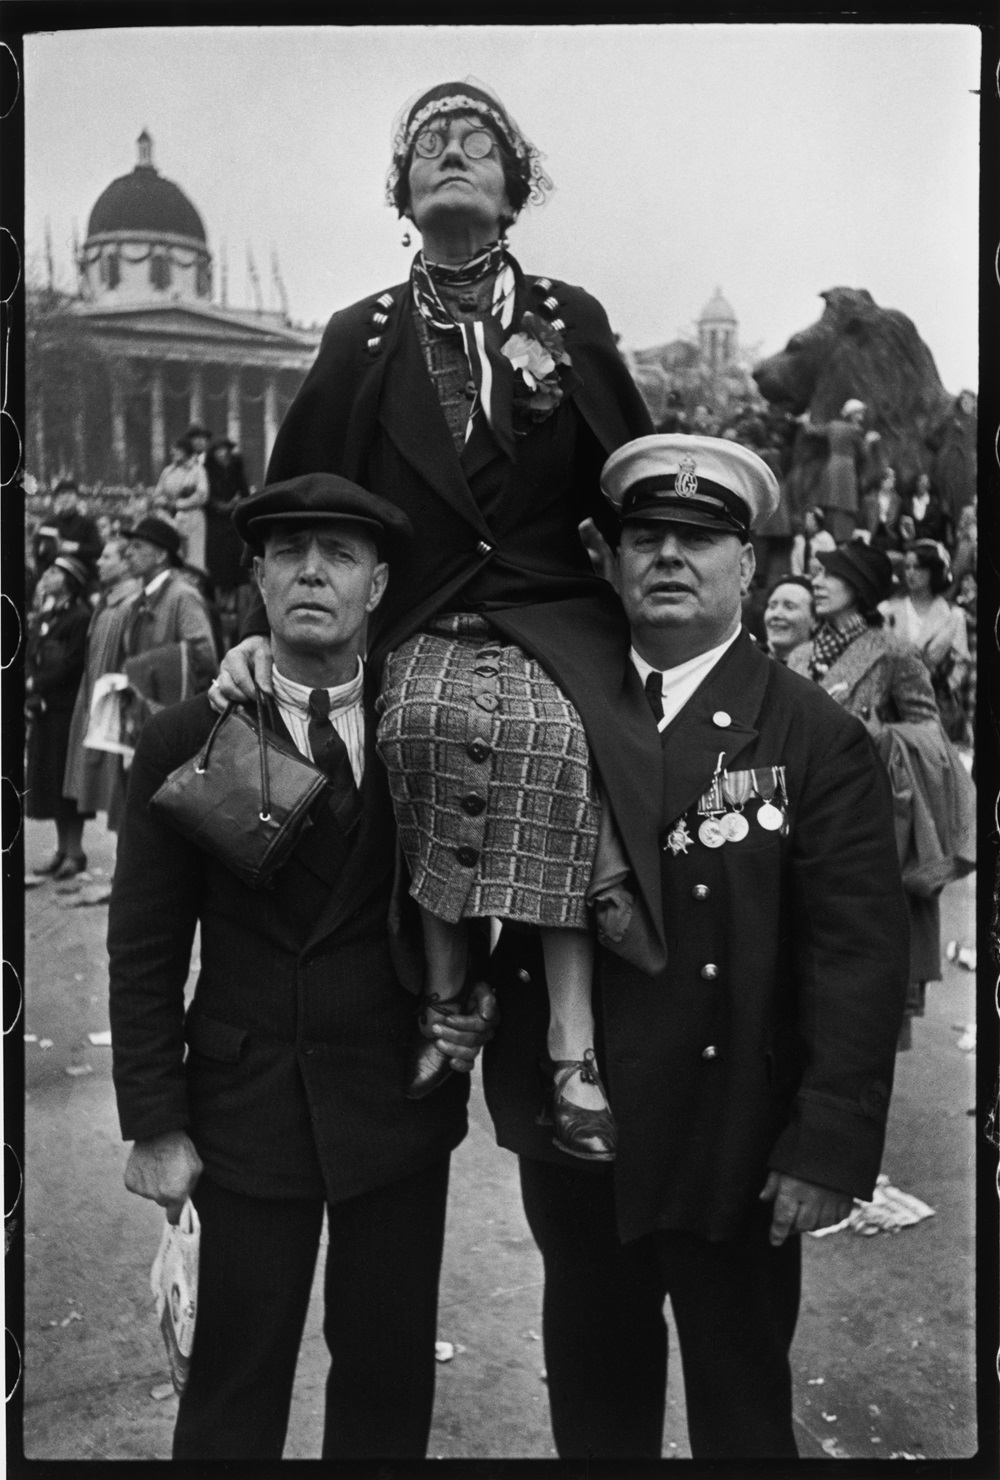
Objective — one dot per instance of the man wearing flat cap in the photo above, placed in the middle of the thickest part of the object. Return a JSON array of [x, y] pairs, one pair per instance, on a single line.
[[278, 1095], [750, 1077]]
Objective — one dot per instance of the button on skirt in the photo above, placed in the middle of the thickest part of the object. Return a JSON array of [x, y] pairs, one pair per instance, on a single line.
[[491, 778]]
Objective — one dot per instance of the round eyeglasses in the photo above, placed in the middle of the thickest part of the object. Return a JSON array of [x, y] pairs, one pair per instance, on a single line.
[[476, 144]]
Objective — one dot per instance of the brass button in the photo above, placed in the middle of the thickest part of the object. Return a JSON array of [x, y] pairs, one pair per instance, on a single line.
[[700, 891], [470, 389], [477, 750], [711, 1052], [473, 804], [524, 977], [709, 971], [484, 548], [467, 857]]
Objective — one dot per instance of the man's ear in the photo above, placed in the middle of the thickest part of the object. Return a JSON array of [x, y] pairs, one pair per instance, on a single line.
[[258, 570], [380, 579], [748, 565]]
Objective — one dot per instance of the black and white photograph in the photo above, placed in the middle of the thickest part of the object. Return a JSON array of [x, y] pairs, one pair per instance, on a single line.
[[586, 1073]]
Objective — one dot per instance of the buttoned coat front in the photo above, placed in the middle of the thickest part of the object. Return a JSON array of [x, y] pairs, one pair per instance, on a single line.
[[768, 1041], [297, 1032], [493, 534]]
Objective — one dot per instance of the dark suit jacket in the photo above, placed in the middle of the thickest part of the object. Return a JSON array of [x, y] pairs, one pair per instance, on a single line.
[[493, 534], [297, 1032], [807, 933]]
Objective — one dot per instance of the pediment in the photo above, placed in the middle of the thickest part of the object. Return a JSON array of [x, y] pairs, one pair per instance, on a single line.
[[201, 325]]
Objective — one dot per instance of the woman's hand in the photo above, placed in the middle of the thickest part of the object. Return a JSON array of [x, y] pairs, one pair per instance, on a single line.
[[250, 660], [463, 1035], [597, 547]]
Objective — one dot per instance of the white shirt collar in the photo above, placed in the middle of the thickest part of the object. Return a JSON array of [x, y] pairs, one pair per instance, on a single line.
[[682, 670], [157, 581], [296, 695]]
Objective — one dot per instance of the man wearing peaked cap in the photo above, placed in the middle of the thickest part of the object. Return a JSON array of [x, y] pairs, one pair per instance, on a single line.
[[750, 1076], [289, 1105]]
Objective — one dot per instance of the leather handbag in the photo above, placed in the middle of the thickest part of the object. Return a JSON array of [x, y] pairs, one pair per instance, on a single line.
[[245, 797]]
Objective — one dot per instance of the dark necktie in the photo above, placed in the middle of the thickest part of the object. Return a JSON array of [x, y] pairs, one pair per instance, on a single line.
[[330, 754], [654, 693]]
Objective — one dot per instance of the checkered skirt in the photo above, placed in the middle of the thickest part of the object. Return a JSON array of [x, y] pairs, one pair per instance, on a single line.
[[490, 775]]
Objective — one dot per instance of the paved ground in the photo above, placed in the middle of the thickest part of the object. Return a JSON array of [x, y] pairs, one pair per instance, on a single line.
[[884, 1354]]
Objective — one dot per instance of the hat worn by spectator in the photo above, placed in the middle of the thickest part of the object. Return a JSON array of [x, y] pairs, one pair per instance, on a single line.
[[157, 532], [707, 481], [316, 498], [74, 568], [865, 568]]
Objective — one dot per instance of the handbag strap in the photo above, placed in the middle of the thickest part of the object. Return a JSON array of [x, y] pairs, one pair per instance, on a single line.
[[265, 787]]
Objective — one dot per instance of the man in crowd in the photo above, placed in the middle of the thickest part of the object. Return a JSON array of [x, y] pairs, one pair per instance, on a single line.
[[291, 1098], [169, 646], [68, 531], [750, 1079]]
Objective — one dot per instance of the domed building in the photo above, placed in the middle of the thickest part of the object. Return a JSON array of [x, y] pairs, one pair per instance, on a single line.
[[717, 326], [173, 356]]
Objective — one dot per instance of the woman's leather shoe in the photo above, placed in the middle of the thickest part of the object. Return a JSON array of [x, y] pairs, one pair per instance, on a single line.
[[70, 867], [590, 1135], [428, 1064]]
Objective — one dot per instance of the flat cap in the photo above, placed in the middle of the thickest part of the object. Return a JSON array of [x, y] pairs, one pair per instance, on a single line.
[[709, 481], [316, 498]]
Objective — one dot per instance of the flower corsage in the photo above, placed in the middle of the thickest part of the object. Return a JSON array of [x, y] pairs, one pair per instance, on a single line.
[[536, 352]]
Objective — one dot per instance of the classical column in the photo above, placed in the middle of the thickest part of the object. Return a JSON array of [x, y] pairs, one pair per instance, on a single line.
[[234, 418], [79, 438], [196, 403], [119, 449], [157, 424], [270, 416]]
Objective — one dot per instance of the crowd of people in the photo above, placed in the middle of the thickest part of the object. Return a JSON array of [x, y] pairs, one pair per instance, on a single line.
[[522, 635]]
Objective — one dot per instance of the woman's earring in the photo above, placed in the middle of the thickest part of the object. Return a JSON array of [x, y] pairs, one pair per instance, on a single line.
[[406, 239]]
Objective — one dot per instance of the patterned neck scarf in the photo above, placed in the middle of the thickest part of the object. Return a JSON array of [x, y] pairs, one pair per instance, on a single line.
[[482, 337], [830, 640]]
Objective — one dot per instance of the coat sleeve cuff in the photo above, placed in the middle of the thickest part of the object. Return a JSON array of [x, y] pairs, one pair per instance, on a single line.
[[832, 1144]]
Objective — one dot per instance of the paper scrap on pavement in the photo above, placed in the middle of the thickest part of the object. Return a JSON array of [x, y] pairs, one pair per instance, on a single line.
[[888, 1212], [443, 1351], [102, 1039]]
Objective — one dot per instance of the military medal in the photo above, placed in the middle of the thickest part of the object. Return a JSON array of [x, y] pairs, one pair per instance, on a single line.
[[679, 839], [711, 807], [736, 788], [765, 780]]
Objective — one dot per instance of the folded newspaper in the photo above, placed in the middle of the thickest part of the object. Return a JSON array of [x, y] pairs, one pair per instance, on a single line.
[[174, 1282], [888, 1212]]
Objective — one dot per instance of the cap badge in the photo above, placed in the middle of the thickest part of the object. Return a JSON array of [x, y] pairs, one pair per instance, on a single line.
[[685, 483]]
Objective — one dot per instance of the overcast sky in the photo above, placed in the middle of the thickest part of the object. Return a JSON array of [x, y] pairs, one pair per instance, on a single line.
[[772, 162]]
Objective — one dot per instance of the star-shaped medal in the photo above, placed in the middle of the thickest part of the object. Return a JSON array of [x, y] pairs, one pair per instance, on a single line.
[[679, 839]]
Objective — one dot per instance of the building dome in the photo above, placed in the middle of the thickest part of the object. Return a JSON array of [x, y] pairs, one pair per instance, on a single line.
[[717, 310], [144, 203]]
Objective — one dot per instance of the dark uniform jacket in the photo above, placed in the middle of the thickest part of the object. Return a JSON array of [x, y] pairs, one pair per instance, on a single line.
[[297, 1031], [493, 534], [769, 1039]]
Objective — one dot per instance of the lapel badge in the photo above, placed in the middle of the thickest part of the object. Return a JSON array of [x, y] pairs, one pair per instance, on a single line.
[[685, 482], [679, 839]]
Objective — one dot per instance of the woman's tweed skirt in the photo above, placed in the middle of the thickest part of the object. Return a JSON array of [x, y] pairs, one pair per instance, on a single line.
[[490, 775]]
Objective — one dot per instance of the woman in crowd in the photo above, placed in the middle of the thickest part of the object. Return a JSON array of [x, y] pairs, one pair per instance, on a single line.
[[877, 676], [227, 484], [54, 658], [95, 779], [182, 489], [838, 492], [936, 629], [788, 616], [814, 538], [484, 402]]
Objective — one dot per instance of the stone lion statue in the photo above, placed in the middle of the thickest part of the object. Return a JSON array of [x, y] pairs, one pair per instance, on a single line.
[[858, 350]]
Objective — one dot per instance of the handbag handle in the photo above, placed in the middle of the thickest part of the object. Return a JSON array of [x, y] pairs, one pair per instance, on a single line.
[[265, 788]]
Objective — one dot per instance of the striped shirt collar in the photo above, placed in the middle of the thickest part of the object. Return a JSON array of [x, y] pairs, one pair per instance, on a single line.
[[296, 695]]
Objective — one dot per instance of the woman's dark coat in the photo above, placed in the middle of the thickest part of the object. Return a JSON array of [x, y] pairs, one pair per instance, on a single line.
[[492, 535]]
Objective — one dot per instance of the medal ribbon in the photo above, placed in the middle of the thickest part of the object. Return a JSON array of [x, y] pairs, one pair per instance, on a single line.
[[737, 788]]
